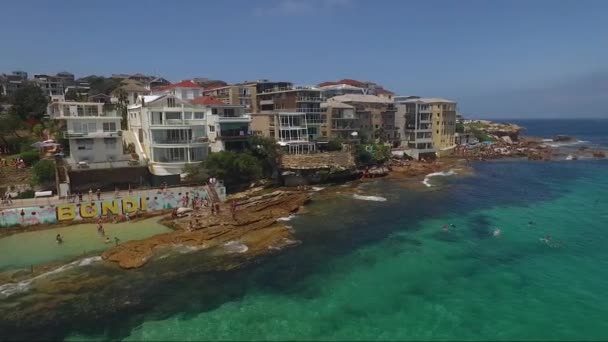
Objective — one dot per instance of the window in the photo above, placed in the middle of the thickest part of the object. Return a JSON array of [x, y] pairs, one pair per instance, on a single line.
[[170, 102], [187, 115], [84, 144], [173, 115], [109, 126], [213, 110], [437, 131], [199, 115], [110, 143], [211, 128]]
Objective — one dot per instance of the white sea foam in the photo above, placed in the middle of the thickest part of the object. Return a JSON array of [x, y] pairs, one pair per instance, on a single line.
[[10, 289], [317, 188], [427, 178], [235, 247], [568, 143], [287, 218], [369, 198]]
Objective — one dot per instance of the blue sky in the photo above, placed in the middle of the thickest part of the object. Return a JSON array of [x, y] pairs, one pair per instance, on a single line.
[[496, 58]]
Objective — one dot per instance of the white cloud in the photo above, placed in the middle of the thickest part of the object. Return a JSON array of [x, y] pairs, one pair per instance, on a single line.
[[299, 7]]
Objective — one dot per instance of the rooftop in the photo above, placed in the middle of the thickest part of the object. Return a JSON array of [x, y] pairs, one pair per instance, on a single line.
[[427, 100], [335, 104], [346, 81], [182, 84], [207, 100], [361, 98]]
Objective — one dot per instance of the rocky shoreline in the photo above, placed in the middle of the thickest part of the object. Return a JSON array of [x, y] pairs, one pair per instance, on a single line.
[[254, 224]]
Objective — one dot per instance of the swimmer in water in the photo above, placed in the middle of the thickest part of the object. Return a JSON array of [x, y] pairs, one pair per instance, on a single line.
[[530, 223], [59, 239], [453, 225], [445, 228], [497, 232], [107, 239]]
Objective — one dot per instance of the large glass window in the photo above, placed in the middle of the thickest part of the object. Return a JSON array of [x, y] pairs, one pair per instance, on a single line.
[[109, 126]]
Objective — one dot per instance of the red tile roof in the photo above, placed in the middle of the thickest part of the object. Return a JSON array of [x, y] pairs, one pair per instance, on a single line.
[[207, 100], [182, 84]]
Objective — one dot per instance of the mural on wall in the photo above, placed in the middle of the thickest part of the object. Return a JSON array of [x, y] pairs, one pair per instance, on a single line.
[[66, 212]]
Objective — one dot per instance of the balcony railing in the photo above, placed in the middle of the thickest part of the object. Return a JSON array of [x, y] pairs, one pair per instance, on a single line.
[[234, 135], [310, 110], [96, 134], [308, 99], [315, 121], [175, 122]]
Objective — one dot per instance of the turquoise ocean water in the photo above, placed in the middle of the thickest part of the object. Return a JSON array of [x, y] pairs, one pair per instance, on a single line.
[[387, 270]]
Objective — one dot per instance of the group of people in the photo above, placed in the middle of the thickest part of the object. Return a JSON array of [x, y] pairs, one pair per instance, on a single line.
[[496, 232], [17, 163]]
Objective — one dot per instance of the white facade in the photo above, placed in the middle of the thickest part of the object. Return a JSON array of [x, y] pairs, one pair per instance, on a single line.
[[170, 133], [94, 134]]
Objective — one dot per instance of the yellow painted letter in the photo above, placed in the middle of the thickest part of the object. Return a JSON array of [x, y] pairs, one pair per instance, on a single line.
[[66, 212], [109, 206], [88, 210], [129, 205]]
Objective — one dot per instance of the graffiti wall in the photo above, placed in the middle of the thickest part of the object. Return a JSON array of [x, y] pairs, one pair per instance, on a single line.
[[64, 212]]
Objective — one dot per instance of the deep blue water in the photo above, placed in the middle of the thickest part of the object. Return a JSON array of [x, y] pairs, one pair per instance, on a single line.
[[592, 130]]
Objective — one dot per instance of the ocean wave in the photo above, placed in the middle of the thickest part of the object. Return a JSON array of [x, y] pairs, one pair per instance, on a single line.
[[287, 218], [10, 289], [235, 247], [318, 188], [369, 198], [567, 143], [427, 178]]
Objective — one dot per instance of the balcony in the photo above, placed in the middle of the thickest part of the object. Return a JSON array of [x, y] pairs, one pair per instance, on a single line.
[[266, 102], [235, 119], [310, 110], [176, 122], [97, 134], [308, 99], [233, 134], [181, 142]]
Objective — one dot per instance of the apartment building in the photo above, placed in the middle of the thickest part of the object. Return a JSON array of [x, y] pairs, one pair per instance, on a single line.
[[228, 127], [93, 132], [50, 85], [375, 114], [185, 90], [169, 132], [291, 115], [9, 83], [430, 125], [132, 89], [348, 86], [238, 94], [342, 121]]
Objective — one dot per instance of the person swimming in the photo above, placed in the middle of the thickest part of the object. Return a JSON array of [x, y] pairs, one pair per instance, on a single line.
[[445, 228], [496, 232], [108, 239], [59, 239]]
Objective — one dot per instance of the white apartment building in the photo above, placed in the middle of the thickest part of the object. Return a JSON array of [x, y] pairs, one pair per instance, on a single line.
[[169, 132], [93, 133]]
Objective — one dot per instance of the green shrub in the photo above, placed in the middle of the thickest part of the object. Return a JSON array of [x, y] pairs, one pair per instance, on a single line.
[[26, 194], [43, 172], [30, 157], [334, 145]]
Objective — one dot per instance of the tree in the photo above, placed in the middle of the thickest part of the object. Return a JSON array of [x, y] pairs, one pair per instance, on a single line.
[[335, 145], [268, 152], [28, 102], [121, 106], [43, 172], [38, 130], [231, 167]]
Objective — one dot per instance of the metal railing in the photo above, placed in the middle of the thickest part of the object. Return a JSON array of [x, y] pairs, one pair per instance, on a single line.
[[308, 99], [310, 110], [97, 134]]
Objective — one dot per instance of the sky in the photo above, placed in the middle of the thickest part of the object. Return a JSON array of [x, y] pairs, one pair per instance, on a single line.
[[497, 58]]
